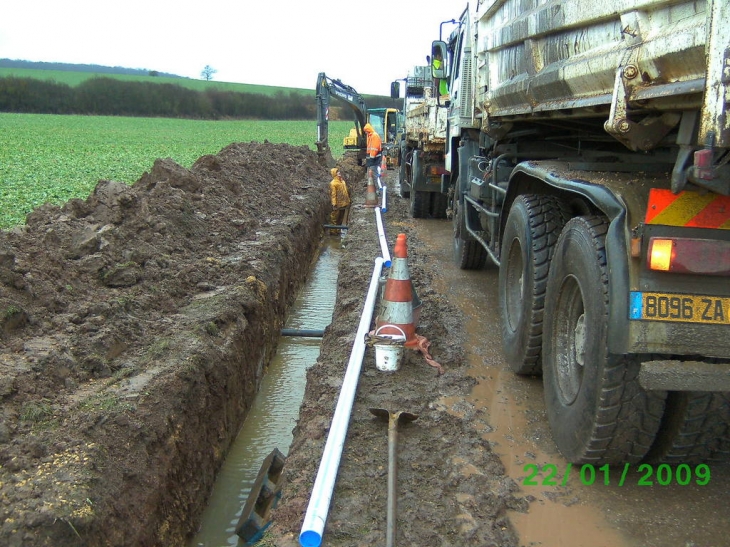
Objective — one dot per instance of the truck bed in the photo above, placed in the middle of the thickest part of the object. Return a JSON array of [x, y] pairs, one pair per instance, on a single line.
[[426, 123], [573, 58]]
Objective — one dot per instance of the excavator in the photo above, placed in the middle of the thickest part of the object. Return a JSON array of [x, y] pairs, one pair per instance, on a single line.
[[387, 122], [326, 88]]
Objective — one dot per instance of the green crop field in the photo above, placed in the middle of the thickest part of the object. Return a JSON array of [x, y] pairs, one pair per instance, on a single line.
[[48, 158], [74, 78]]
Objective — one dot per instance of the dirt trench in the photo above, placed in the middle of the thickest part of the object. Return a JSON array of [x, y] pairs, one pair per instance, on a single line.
[[136, 325], [135, 329]]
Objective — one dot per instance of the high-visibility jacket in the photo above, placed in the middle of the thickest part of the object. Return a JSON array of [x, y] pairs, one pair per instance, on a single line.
[[443, 85], [339, 195], [375, 144]]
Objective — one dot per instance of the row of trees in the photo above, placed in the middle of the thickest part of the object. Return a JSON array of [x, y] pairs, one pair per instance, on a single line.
[[113, 97], [109, 96], [75, 67]]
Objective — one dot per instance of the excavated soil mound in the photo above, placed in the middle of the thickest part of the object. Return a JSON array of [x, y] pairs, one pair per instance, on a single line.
[[135, 326]]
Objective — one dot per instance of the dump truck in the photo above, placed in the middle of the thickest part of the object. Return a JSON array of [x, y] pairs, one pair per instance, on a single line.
[[587, 158], [422, 161]]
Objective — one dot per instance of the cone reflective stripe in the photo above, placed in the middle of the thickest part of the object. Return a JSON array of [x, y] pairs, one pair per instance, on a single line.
[[371, 197], [397, 303]]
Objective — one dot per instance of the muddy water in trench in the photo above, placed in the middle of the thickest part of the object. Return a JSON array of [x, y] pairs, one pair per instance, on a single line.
[[575, 515], [276, 406]]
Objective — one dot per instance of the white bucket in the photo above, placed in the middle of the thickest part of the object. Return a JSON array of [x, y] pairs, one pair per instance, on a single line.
[[389, 354]]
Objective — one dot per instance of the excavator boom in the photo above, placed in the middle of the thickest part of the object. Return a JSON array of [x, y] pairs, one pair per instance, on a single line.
[[326, 88]]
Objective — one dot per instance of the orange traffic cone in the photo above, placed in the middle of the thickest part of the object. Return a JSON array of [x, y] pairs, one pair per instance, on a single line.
[[383, 165], [397, 303], [371, 198]]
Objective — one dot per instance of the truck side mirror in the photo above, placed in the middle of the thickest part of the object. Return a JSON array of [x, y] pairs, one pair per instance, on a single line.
[[438, 63], [395, 90]]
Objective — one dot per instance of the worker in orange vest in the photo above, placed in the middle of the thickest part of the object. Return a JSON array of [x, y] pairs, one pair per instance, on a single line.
[[374, 150]]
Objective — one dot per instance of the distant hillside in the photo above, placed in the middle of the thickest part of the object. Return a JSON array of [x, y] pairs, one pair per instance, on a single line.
[[64, 88], [70, 67], [75, 78], [75, 74]]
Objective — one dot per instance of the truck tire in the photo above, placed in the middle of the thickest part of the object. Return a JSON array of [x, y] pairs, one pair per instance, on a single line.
[[439, 204], [404, 184], [597, 411], [468, 253], [420, 205], [530, 234], [695, 429]]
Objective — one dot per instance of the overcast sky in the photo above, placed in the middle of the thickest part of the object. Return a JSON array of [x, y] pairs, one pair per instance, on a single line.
[[366, 44]]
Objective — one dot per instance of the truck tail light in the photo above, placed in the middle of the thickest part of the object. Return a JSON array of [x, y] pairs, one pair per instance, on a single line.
[[660, 254], [689, 255]]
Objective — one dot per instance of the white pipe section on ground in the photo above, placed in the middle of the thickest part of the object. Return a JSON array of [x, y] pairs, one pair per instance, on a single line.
[[319, 501], [381, 237], [384, 206]]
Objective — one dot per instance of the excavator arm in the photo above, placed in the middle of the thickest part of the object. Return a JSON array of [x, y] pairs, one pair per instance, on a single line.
[[326, 88]]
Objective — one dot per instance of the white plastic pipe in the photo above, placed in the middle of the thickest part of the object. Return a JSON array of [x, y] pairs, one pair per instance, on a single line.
[[381, 237], [319, 502], [384, 206]]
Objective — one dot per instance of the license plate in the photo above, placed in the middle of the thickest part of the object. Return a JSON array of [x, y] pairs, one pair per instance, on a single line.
[[684, 308]]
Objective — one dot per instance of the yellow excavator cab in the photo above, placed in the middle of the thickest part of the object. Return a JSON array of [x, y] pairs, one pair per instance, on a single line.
[[351, 140]]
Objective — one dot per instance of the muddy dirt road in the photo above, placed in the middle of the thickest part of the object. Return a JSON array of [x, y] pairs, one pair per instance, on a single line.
[[575, 515]]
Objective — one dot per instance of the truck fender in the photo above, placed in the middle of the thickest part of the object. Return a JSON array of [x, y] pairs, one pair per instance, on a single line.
[[532, 176]]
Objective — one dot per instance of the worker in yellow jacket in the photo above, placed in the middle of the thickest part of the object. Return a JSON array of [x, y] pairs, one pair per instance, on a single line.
[[340, 199], [374, 150]]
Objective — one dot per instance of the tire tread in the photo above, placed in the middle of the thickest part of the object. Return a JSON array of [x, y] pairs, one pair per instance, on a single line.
[[695, 429], [468, 253], [546, 217], [626, 417]]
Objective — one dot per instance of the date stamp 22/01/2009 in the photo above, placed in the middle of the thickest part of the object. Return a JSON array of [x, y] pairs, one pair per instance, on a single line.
[[643, 475]]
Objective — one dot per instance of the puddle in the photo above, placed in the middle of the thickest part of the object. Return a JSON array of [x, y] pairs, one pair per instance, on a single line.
[[514, 411], [510, 414]]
